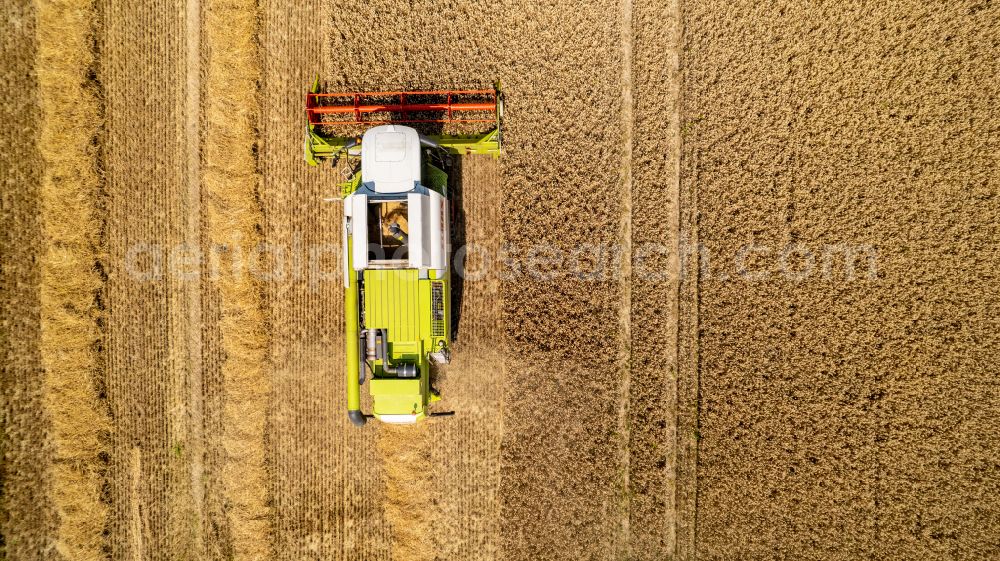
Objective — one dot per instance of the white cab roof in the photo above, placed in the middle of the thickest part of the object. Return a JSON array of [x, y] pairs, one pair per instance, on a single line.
[[390, 158]]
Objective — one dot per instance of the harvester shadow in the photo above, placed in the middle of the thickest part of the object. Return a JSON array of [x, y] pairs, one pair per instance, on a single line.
[[457, 244], [457, 219]]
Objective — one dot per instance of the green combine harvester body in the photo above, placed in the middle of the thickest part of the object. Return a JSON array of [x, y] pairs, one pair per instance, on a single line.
[[396, 239]]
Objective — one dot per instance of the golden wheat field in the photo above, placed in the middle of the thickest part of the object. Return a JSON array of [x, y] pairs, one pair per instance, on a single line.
[[731, 292]]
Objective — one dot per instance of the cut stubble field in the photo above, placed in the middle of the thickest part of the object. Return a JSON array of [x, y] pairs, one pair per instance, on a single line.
[[649, 411]]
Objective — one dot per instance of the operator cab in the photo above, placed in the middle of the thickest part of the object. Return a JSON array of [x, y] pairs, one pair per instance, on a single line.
[[388, 233], [398, 215]]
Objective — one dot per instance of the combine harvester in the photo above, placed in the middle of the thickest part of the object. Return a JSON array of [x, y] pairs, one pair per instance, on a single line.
[[397, 297]]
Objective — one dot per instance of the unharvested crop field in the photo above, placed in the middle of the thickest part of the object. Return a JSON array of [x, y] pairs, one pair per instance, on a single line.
[[840, 417], [732, 289]]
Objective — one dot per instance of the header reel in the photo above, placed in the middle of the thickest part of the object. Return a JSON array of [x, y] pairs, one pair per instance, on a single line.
[[332, 117]]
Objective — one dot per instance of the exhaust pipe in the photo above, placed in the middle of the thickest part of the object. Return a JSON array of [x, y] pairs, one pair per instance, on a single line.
[[370, 341], [403, 370]]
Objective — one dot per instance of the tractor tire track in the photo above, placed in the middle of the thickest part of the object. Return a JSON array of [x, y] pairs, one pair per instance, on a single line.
[[654, 211]]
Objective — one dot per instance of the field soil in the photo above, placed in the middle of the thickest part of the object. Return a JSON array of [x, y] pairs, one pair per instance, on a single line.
[[729, 293]]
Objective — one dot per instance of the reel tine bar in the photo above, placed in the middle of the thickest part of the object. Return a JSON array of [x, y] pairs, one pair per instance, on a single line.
[[379, 108]]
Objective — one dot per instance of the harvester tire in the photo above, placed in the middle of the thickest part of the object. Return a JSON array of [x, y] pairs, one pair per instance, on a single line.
[[356, 417]]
